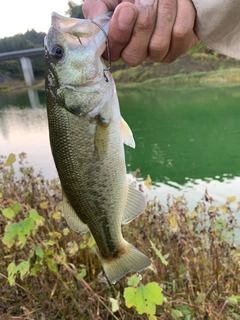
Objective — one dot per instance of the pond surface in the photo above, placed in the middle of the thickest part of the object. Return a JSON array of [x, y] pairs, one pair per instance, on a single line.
[[187, 138]]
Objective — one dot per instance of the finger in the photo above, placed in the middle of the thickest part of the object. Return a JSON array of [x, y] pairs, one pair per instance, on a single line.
[[183, 35], [161, 39], [94, 8], [120, 29], [137, 49]]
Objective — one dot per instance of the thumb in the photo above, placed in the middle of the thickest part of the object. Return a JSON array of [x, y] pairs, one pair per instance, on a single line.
[[94, 8]]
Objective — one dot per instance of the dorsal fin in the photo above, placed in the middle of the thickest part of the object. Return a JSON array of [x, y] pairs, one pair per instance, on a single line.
[[135, 204], [72, 218], [126, 132]]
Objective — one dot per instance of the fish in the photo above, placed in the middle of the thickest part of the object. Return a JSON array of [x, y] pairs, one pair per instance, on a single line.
[[87, 137]]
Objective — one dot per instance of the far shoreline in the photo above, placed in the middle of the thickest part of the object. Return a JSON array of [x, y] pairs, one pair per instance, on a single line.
[[194, 69]]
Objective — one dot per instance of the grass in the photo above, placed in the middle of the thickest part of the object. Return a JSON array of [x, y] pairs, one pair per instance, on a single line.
[[194, 256], [193, 67]]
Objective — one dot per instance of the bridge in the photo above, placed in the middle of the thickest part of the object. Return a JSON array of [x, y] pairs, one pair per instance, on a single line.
[[24, 56]]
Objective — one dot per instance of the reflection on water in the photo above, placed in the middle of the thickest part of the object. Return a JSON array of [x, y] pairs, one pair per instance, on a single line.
[[27, 131], [187, 139], [33, 98]]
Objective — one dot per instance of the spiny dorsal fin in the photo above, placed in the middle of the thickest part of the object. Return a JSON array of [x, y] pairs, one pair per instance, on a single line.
[[127, 135], [135, 204], [72, 218]]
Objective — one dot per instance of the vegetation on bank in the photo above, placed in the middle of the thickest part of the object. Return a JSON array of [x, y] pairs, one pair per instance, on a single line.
[[188, 69], [49, 272]]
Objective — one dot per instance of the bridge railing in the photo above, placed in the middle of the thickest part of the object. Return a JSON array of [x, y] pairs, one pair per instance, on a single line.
[[24, 56]]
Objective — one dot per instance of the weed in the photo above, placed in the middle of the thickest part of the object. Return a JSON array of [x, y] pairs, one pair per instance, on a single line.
[[47, 271]]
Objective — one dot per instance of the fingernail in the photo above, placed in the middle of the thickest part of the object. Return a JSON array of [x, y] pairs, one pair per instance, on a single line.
[[147, 3], [126, 18]]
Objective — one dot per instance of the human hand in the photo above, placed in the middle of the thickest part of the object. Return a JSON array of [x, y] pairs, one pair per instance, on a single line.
[[147, 30]]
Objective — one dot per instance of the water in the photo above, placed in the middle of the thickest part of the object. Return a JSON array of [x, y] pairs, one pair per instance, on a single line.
[[187, 138]]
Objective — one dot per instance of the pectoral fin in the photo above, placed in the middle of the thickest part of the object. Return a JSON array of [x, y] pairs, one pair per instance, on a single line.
[[72, 218], [135, 204], [127, 135]]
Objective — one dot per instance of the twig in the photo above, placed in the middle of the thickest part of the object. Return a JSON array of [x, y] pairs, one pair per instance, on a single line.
[[70, 293], [86, 285], [18, 285]]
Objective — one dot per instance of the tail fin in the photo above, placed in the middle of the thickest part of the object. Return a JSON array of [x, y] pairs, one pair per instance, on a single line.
[[131, 260]]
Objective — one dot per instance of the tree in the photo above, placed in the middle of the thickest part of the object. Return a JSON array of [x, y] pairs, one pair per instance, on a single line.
[[75, 10]]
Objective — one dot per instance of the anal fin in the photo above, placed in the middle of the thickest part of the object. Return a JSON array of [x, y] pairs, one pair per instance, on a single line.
[[72, 218], [135, 204]]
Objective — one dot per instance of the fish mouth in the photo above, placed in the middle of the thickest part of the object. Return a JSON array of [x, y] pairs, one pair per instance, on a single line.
[[90, 86], [86, 88]]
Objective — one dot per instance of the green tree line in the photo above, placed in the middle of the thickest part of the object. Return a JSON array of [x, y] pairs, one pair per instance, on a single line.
[[30, 39]]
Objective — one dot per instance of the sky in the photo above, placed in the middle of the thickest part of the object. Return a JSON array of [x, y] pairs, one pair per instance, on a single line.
[[18, 16]]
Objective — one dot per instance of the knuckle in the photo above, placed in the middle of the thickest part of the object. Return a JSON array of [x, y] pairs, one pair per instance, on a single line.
[[131, 60], [168, 5], [144, 25], [159, 47], [145, 21], [181, 31]]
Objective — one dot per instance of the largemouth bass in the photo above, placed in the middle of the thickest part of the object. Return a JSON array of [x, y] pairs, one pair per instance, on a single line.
[[86, 136]]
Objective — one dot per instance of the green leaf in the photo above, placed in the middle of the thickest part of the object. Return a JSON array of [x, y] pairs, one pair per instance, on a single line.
[[115, 304], [66, 231], [91, 242], [36, 217], [21, 230], [25, 229], [82, 274], [219, 224], [12, 271], [133, 281], [10, 233], [23, 268], [50, 242], [51, 264], [17, 207], [8, 213], [48, 253], [83, 246], [176, 314], [35, 269], [158, 253], [39, 252], [144, 298], [234, 300], [10, 160], [184, 309]]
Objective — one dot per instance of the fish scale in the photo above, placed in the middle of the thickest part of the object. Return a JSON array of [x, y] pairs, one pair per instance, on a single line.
[[86, 136]]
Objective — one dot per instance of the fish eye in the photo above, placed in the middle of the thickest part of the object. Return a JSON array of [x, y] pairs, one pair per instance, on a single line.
[[57, 52]]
